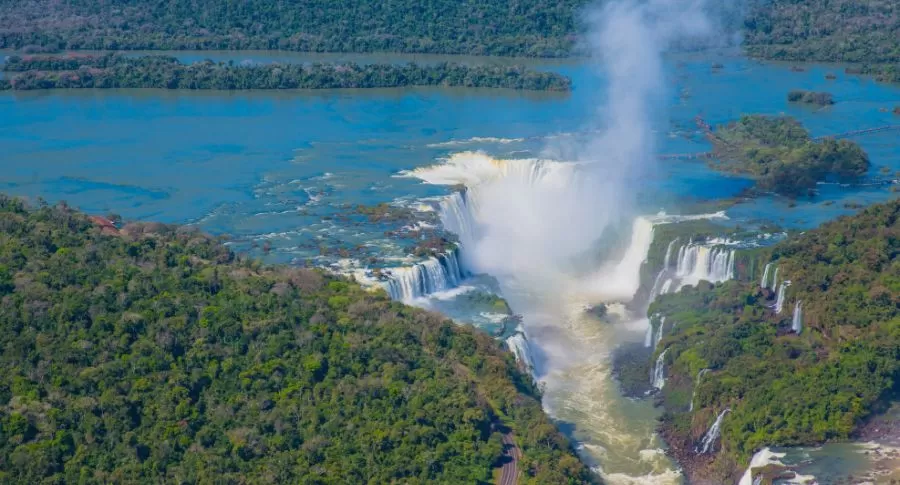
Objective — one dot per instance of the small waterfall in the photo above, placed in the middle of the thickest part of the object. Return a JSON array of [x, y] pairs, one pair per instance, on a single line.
[[698, 262], [775, 280], [666, 287], [765, 276], [439, 273], [659, 371], [668, 258], [761, 459], [518, 345], [659, 332], [656, 289], [700, 374], [648, 337], [797, 322], [709, 439], [779, 300]]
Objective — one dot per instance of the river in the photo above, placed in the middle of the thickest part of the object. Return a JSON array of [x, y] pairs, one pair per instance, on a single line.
[[278, 168]]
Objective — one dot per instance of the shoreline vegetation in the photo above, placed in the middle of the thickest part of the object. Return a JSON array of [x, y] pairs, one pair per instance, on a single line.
[[782, 157], [152, 353], [795, 378], [165, 72]]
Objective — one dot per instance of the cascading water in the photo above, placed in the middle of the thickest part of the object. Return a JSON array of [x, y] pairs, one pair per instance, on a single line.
[[518, 345], [765, 276], [659, 332], [797, 321], [779, 299], [659, 371], [775, 280], [700, 374], [700, 262], [668, 258], [709, 439], [648, 337], [761, 459], [439, 273]]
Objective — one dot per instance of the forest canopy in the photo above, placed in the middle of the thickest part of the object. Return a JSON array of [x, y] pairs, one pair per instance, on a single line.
[[779, 153], [783, 387], [165, 72], [152, 354]]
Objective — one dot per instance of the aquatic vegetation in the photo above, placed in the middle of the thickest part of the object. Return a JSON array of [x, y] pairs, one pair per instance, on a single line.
[[779, 153], [153, 352], [164, 72]]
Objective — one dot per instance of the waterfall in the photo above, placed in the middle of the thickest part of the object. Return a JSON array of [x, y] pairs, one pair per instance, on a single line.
[[698, 262], [659, 332], [456, 216], [668, 258], [666, 287], [654, 290], [761, 459], [648, 337], [696, 385], [765, 276], [709, 439], [518, 345], [797, 322], [439, 273], [659, 371], [775, 280], [779, 300]]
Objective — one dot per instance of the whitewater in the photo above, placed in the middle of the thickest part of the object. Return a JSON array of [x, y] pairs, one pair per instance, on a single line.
[[567, 350]]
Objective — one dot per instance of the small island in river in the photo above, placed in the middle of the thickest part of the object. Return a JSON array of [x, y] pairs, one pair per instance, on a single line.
[[165, 72], [780, 154]]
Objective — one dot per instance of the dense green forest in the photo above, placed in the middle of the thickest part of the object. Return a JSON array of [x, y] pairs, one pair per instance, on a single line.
[[152, 354], [163, 72], [824, 30], [785, 388], [526, 27], [779, 153]]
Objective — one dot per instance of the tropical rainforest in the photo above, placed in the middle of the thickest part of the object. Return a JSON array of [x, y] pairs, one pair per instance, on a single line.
[[783, 387], [152, 354], [528, 27], [164, 72]]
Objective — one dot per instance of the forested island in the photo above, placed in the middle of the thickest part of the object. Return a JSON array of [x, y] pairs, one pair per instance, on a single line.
[[779, 153], [165, 72], [808, 374], [810, 97], [151, 353]]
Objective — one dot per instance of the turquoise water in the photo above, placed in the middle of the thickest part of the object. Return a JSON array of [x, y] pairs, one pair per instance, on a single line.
[[280, 168]]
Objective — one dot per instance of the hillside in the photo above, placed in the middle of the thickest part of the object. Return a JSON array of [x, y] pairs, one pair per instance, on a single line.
[[153, 354], [809, 374]]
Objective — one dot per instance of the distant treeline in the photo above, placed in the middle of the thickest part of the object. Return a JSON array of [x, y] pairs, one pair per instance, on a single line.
[[163, 72], [522, 28]]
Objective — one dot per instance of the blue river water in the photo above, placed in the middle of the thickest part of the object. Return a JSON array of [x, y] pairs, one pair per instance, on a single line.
[[280, 167]]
